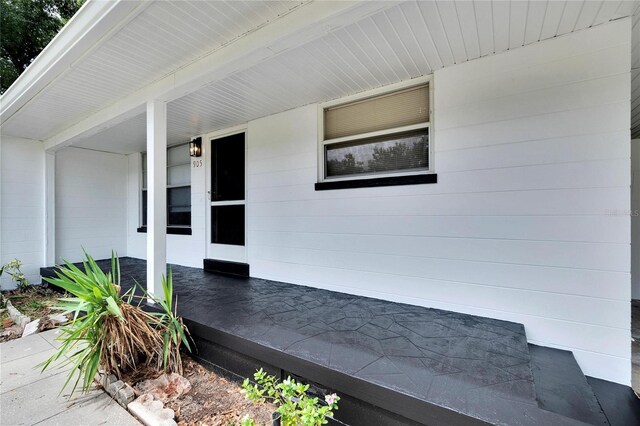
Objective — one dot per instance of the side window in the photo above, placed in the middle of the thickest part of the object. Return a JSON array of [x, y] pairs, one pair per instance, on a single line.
[[178, 187], [383, 135]]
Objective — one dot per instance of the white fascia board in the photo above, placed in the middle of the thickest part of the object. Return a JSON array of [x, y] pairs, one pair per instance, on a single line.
[[93, 24], [302, 25]]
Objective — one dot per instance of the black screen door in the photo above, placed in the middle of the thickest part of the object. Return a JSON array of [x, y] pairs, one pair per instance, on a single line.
[[227, 193]]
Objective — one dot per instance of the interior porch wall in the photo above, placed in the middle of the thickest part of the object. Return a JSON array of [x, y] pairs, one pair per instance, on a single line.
[[22, 219], [635, 219], [91, 203], [533, 159]]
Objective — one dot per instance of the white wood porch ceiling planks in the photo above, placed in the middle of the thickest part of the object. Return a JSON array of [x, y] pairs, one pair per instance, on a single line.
[[164, 37], [408, 40]]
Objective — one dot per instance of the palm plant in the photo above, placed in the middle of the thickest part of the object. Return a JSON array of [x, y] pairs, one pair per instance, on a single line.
[[108, 330], [174, 332]]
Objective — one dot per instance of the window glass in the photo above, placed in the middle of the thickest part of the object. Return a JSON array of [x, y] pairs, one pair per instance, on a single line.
[[179, 187], [227, 168], [179, 206], [405, 151], [227, 225], [179, 175]]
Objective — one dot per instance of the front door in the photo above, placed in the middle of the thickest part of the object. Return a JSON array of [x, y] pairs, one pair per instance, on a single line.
[[227, 198]]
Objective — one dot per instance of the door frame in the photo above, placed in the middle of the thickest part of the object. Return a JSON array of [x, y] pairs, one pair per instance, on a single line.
[[233, 253]]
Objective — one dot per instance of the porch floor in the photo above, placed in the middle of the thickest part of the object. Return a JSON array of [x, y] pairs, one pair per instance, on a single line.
[[476, 367]]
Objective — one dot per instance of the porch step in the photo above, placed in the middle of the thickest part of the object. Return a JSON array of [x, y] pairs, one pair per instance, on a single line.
[[619, 403], [562, 388]]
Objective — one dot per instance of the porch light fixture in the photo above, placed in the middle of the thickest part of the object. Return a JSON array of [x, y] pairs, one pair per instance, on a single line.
[[195, 147]]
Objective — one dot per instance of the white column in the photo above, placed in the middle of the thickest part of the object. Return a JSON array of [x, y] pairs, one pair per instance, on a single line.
[[50, 207], [156, 195]]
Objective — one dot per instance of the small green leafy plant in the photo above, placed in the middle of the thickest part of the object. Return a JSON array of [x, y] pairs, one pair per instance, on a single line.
[[13, 269], [293, 405], [108, 330]]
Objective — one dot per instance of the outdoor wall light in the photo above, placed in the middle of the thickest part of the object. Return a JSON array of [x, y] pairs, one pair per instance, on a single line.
[[195, 147]]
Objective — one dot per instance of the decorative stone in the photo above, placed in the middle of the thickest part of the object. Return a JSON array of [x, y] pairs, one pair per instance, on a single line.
[[151, 412], [18, 318], [31, 328], [114, 387], [58, 318], [125, 396], [166, 387]]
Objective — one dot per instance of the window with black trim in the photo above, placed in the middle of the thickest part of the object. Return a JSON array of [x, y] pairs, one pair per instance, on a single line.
[[377, 139], [178, 187]]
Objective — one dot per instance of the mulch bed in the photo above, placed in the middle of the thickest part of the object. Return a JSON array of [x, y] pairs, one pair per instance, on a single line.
[[213, 399], [34, 302]]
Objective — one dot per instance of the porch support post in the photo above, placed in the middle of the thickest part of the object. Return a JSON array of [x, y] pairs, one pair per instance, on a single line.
[[50, 207], [156, 195]]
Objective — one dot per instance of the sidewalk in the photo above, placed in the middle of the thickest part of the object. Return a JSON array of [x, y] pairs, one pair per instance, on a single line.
[[29, 398]]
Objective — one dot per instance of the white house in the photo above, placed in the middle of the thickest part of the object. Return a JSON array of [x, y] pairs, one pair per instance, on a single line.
[[475, 154]]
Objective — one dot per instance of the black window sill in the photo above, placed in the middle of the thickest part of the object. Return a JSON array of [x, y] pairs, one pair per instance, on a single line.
[[376, 182], [173, 230]]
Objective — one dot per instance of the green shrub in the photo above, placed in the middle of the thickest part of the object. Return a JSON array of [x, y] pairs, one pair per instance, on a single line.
[[108, 330], [13, 269], [293, 405]]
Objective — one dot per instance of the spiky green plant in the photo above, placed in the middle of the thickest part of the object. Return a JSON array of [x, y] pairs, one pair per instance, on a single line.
[[107, 329], [174, 332]]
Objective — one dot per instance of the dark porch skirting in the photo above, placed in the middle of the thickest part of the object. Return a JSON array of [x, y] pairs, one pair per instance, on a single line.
[[392, 363]]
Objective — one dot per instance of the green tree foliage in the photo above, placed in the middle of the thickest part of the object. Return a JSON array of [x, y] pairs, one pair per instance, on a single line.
[[412, 153], [26, 27], [348, 165], [399, 156]]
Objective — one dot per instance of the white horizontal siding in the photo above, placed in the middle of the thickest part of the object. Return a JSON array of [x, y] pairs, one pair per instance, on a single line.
[[635, 219], [91, 204], [21, 206], [532, 155]]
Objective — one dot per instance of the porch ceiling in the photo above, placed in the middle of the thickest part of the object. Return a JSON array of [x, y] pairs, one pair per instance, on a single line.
[[400, 42]]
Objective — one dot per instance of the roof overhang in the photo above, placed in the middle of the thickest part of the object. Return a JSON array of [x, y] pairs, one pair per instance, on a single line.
[[57, 83], [91, 26]]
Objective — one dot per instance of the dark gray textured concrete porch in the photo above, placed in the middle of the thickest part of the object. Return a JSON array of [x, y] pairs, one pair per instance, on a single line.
[[427, 365]]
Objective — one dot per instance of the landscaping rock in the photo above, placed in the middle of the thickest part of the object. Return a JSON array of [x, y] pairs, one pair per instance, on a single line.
[[125, 396], [58, 318], [151, 412], [18, 318], [10, 332], [114, 387], [165, 388], [31, 328]]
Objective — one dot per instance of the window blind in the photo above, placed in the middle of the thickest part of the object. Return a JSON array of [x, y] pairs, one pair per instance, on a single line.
[[402, 108]]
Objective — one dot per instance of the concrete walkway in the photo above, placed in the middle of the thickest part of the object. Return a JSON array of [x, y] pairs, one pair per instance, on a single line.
[[30, 398]]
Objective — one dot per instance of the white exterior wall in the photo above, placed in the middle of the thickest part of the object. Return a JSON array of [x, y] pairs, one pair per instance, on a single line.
[[91, 204], [22, 219], [532, 153], [635, 219], [187, 250]]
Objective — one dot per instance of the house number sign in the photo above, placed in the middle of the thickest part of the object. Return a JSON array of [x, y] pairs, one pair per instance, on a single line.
[[197, 163]]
